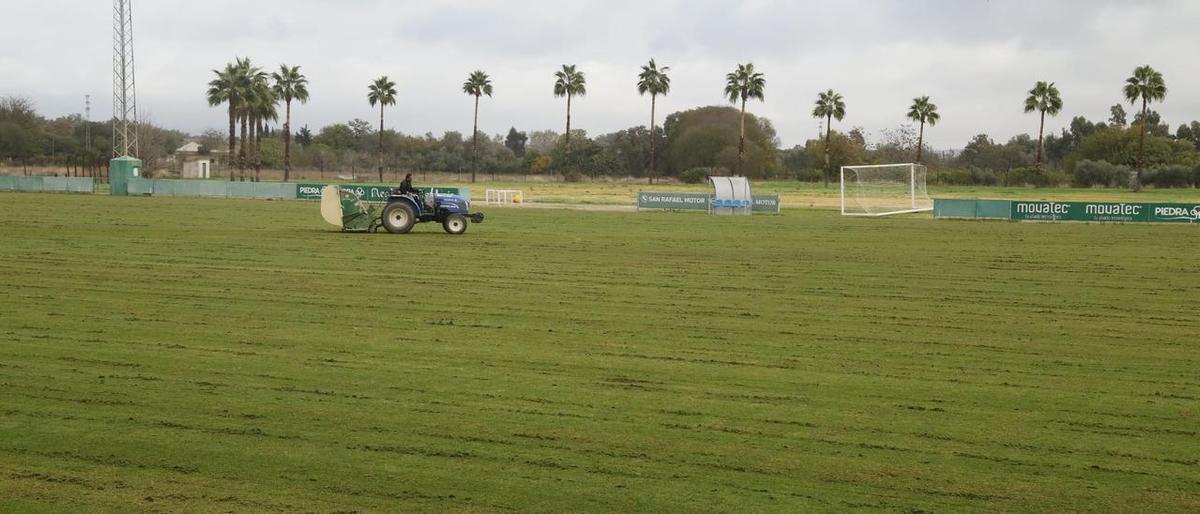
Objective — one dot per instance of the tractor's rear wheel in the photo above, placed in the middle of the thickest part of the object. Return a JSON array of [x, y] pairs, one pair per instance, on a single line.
[[455, 224], [398, 218]]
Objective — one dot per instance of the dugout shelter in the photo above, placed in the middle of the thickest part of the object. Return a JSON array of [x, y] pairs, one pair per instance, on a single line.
[[731, 196]]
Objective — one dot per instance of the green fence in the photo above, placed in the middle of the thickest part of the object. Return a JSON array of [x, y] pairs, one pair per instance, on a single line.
[[48, 184], [699, 202], [213, 189], [972, 209], [262, 190], [1068, 211], [372, 192], [207, 188]]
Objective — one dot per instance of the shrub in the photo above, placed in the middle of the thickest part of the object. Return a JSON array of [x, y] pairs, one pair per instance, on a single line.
[[964, 177], [984, 177], [955, 177], [572, 176], [809, 175], [698, 175], [1058, 178], [1090, 173], [1169, 176], [1030, 176]]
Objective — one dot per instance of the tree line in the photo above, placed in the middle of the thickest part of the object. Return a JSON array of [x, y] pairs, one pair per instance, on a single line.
[[622, 153], [1111, 153], [688, 144], [76, 146]]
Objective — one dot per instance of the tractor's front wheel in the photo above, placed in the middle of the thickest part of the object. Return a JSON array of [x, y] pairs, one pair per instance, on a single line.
[[455, 224], [398, 218]]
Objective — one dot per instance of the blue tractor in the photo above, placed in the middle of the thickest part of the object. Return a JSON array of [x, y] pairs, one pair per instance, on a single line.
[[344, 208], [403, 211]]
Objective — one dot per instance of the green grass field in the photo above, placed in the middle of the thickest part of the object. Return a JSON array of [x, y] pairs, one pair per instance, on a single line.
[[214, 355]]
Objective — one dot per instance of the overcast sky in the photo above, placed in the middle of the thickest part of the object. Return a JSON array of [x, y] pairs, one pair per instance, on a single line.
[[975, 58]]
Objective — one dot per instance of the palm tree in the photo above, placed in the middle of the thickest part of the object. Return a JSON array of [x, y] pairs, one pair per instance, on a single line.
[[262, 108], [382, 92], [570, 83], [1044, 98], [743, 84], [224, 89], [829, 106], [477, 85], [248, 77], [290, 85], [653, 80], [924, 112], [1146, 85]]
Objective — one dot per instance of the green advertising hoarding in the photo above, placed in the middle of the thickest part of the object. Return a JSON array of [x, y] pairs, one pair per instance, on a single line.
[[766, 204], [674, 201], [1106, 212], [1111, 212], [699, 202], [368, 193]]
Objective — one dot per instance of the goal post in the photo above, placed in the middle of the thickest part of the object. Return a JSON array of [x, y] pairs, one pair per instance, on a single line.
[[504, 197], [884, 189]]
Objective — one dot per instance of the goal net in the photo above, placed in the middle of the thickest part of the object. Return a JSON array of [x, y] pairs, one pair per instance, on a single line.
[[884, 189]]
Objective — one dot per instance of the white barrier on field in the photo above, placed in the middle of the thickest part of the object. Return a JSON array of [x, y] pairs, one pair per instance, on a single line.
[[504, 197]]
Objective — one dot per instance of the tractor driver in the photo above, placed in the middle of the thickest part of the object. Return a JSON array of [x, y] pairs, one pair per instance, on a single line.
[[406, 187]]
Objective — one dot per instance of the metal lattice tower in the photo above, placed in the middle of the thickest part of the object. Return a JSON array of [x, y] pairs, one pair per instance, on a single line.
[[87, 124], [125, 139]]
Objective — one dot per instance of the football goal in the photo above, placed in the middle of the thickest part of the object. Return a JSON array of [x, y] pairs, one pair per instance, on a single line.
[[504, 197], [884, 189]]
